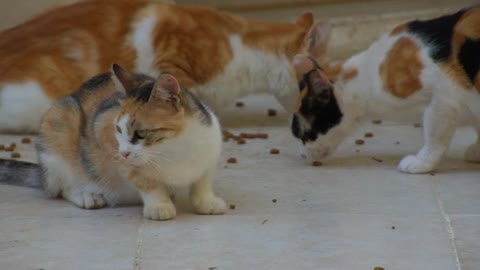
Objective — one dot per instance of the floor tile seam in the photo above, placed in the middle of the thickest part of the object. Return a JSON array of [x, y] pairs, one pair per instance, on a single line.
[[448, 224], [137, 262]]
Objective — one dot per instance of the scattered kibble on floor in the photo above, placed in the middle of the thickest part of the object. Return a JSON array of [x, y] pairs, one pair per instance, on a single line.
[[242, 136], [274, 200], [239, 104], [274, 151], [26, 140], [272, 112], [359, 142], [241, 141], [368, 135], [377, 122], [232, 160], [317, 163], [15, 155], [2, 147], [232, 206]]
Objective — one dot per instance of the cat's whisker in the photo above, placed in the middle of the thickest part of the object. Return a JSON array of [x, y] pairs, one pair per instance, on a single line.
[[154, 154]]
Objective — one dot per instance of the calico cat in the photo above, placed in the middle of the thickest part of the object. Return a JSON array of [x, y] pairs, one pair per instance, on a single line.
[[431, 62], [218, 56], [123, 136]]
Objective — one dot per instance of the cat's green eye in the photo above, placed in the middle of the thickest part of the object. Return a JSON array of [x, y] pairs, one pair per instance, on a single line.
[[141, 133]]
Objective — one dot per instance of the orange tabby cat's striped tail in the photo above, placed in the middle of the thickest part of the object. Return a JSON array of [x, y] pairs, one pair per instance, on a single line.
[[20, 173]]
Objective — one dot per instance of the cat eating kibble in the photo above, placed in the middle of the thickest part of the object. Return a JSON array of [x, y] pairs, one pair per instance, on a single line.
[[432, 62], [124, 136]]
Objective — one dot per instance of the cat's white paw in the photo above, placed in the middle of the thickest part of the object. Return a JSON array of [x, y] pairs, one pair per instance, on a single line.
[[160, 211], [412, 164], [209, 205], [88, 200], [472, 154]]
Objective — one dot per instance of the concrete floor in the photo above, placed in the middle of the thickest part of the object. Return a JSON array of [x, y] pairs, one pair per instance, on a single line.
[[352, 213]]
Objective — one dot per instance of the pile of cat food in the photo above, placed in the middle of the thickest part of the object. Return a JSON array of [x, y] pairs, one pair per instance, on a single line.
[[240, 139], [12, 147]]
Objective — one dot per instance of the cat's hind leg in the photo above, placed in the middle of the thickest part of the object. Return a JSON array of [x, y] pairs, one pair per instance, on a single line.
[[472, 154], [203, 199], [60, 180], [440, 122]]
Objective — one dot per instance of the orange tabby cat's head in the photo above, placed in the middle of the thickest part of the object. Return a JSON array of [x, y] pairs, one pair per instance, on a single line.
[[150, 114]]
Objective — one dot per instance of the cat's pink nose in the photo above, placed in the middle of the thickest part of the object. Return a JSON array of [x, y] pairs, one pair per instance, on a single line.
[[125, 154]]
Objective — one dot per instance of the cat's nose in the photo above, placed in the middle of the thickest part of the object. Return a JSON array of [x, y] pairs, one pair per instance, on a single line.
[[125, 154]]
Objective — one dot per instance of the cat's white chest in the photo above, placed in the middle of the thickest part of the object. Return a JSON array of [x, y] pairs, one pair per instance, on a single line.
[[190, 156]]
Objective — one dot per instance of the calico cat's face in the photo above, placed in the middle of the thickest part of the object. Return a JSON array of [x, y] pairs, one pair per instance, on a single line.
[[150, 115], [318, 114]]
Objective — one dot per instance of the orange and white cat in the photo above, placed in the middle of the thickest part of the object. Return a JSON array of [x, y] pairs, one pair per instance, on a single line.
[[435, 63], [122, 137], [218, 56]]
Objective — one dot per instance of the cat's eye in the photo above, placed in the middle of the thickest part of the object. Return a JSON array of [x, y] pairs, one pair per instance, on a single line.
[[119, 130], [140, 134]]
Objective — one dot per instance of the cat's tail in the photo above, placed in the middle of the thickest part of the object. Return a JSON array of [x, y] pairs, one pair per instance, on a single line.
[[20, 173]]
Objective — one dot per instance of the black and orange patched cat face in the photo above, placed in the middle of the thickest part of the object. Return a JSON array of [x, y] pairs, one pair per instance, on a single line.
[[317, 108]]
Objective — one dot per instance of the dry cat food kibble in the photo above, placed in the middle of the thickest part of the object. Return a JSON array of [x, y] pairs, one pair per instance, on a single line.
[[262, 135], [377, 122], [377, 159], [274, 200], [2, 147], [239, 104], [26, 140], [232, 206], [240, 138], [378, 268], [15, 155], [9, 149], [274, 151], [368, 135], [317, 163], [272, 112], [13, 145], [359, 141], [232, 160]]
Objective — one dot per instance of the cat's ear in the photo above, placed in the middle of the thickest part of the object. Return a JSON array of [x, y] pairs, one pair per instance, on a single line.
[[166, 89], [305, 20], [316, 41], [122, 79]]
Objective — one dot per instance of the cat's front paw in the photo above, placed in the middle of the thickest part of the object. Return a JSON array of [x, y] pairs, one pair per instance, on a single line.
[[160, 211], [89, 200], [209, 205], [412, 164], [472, 154]]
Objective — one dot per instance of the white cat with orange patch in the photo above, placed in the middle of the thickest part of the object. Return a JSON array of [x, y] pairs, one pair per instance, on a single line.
[[434, 62]]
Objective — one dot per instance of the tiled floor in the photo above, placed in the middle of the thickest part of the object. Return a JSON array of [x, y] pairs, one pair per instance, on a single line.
[[352, 213]]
